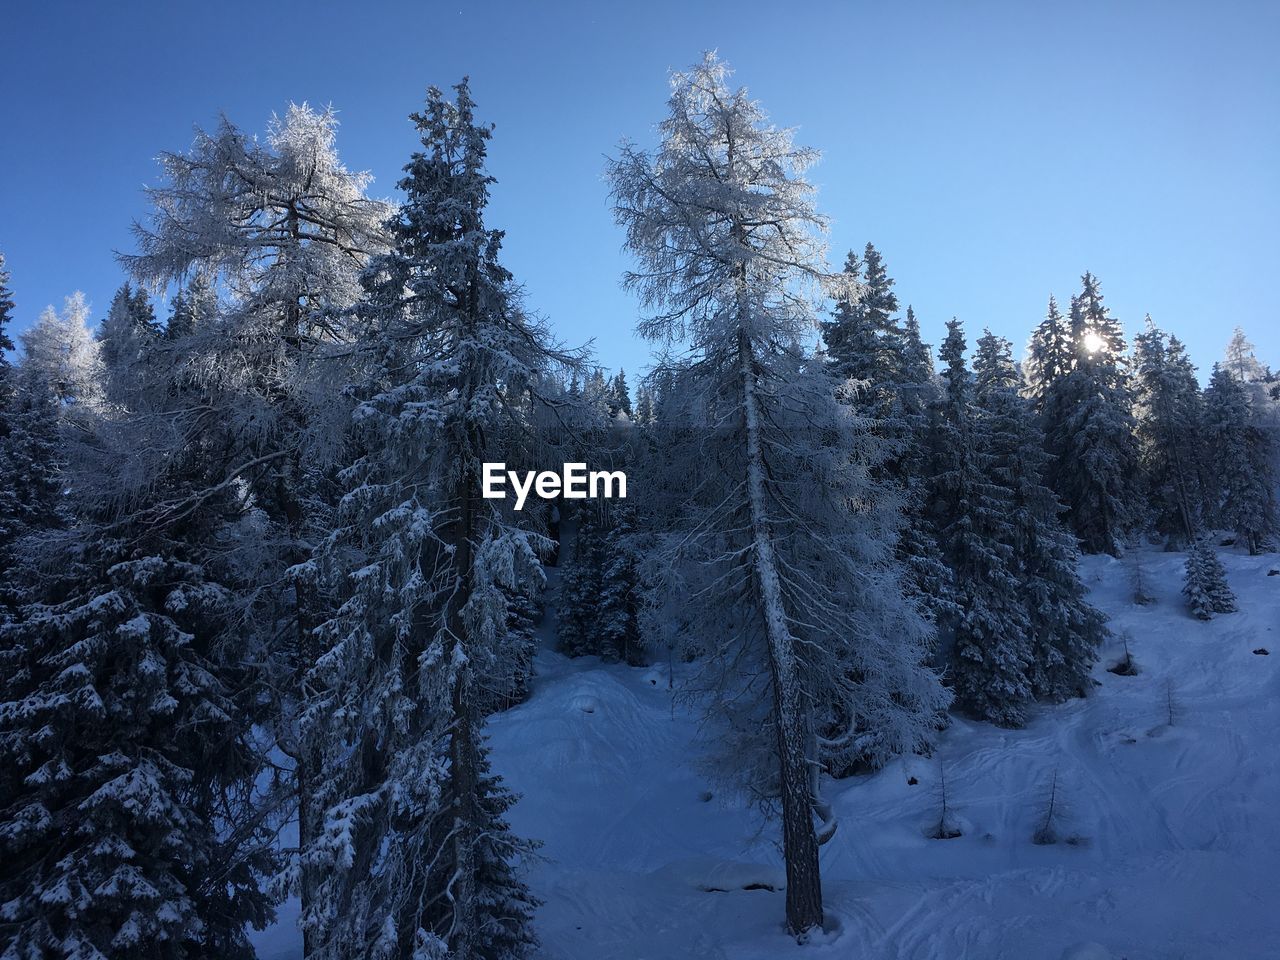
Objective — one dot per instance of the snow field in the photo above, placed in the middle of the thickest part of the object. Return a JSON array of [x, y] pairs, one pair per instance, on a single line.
[[1168, 836]]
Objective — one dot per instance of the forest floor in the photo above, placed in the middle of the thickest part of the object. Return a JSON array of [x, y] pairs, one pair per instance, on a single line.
[[1168, 833]]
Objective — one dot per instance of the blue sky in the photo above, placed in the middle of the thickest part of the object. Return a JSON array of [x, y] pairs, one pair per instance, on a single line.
[[992, 151]]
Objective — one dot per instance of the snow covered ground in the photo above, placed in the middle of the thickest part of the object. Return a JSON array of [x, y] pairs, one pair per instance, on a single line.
[[1169, 835], [1176, 828]]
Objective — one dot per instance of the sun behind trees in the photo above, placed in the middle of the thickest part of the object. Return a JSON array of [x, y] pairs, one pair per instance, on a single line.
[[251, 584]]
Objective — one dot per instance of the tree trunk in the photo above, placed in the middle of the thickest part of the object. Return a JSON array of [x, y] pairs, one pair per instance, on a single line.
[[799, 841], [465, 783], [463, 759], [304, 763]]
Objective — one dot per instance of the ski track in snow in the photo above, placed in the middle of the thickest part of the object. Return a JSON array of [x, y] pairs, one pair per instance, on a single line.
[[1177, 827]]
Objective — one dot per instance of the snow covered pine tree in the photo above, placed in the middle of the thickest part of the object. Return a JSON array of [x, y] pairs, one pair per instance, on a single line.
[[598, 613], [127, 817], [580, 584], [59, 374], [412, 856], [28, 455], [886, 374], [786, 547], [991, 654], [1169, 420], [1241, 451], [1088, 423], [1205, 586], [1066, 629]]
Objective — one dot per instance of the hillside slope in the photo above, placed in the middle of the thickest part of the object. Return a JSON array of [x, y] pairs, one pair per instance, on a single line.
[[1169, 835]]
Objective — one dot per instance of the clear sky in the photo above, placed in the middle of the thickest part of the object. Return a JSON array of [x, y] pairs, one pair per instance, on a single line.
[[992, 151]]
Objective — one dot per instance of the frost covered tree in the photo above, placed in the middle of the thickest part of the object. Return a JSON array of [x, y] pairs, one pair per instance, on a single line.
[[272, 235], [883, 355], [1065, 629], [56, 391], [916, 387], [863, 338], [1089, 427], [599, 402], [125, 756], [785, 549], [125, 337], [928, 577], [30, 469], [129, 324], [990, 633], [61, 352], [10, 469], [929, 580], [1167, 412], [284, 230], [408, 854], [1205, 586], [1241, 361], [1240, 453], [524, 609]]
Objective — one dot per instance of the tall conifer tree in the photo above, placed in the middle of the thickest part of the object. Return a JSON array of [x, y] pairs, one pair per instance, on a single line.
[[411, 856], [1168, 420], [990, 632], [1240, 452], [1089, 428], [1065, 630]]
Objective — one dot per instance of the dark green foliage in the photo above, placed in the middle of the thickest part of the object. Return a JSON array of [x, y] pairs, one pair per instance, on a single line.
[[892, 385], [620, 395], [618, 622], [523, 613], [644, 405], [129, 327], [504, 906], [580, 579], [1049, 359], [31, 464], [599, 593]]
